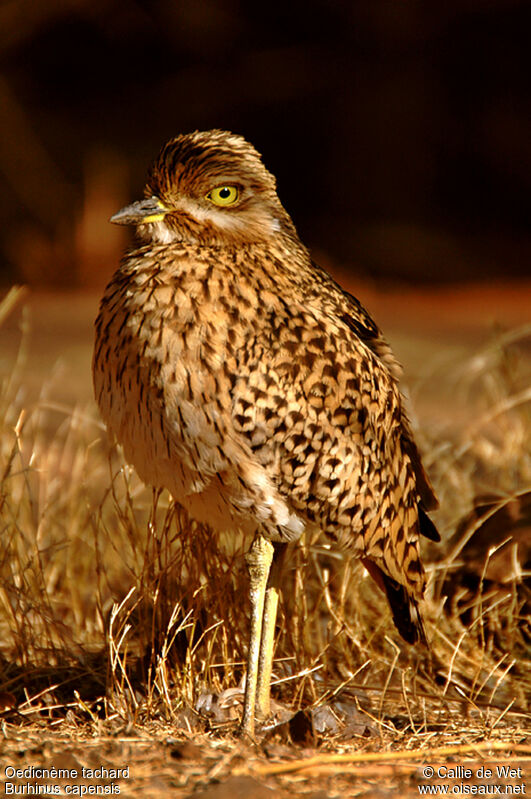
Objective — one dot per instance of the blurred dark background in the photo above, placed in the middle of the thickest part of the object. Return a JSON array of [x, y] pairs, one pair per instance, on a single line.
[[399, 131]]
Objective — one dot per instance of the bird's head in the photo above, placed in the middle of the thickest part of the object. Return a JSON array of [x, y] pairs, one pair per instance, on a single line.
[[208, 187]]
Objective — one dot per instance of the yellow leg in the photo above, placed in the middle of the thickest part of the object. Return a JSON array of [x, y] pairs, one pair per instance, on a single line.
[[265, 664], [259, 559]]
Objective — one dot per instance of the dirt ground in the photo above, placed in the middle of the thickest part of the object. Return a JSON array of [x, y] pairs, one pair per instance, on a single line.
[[432, 331], [156, 764]]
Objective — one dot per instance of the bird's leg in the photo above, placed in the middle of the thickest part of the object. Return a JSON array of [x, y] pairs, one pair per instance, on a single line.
[[259, 560], [265, 663]]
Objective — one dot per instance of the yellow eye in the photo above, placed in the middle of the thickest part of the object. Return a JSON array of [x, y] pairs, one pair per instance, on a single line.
[[224, 195]]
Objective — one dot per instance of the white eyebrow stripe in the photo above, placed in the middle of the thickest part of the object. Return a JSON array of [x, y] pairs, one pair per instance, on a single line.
[[222, 218]]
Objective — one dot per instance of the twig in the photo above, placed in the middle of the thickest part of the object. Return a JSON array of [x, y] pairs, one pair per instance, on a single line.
[[382, 757]]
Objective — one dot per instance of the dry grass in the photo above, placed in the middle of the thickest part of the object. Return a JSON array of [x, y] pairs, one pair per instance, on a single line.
[[116, 610]]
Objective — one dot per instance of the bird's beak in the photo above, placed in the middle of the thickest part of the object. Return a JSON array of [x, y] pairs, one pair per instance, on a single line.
[[140, 213]]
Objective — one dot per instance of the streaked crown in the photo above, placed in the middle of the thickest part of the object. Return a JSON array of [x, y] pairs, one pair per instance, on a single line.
[[208, 187]]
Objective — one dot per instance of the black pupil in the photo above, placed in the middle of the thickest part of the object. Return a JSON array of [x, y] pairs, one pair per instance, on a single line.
[[224, 193]]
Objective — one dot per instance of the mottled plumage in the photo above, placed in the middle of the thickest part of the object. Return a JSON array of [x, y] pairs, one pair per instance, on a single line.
[[237, 374]]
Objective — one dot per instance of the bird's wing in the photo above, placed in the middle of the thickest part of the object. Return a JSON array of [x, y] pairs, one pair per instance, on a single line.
[[358, 319], [350, 310]]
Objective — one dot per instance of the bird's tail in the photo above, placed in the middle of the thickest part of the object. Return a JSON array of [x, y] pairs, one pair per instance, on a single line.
[[404, 607]]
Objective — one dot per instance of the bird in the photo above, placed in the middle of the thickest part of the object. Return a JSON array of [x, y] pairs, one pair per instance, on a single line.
[[236, 373]]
